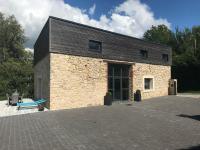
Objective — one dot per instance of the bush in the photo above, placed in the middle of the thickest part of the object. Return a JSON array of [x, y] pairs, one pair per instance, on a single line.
[[16, 75]]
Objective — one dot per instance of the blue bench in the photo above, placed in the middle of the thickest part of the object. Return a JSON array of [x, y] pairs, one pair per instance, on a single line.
[[31, 104]]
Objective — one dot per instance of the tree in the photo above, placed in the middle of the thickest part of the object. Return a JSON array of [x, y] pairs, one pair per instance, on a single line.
[[196, 39], [16, 75], [16, 71], [159, 34], [184, 43], [185, 46], [11, 38]]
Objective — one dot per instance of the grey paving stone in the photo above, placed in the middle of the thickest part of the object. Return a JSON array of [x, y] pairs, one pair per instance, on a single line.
[[156, 124]]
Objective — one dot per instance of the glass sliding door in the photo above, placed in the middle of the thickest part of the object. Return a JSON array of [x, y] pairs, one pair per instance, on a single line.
[[117, 89], [118, 81]]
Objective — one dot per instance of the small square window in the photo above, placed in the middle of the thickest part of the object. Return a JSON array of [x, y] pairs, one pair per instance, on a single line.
[[148, 83], [95, 46], [165, 57], [144, 54]]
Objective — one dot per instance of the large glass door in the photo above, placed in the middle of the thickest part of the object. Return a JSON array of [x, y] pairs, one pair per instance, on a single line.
[[118, 81]]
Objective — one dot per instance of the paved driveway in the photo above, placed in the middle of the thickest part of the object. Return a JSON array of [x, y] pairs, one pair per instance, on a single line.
[[155, 124]]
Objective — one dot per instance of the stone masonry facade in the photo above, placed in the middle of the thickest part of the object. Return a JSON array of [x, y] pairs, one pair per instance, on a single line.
[[77, 81], [160, 74]]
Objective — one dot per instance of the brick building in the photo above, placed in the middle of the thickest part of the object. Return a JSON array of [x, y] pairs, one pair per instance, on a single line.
[[75, 65]]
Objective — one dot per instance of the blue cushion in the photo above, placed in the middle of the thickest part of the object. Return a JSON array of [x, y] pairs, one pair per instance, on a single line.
[[27, 104], [34, 103]]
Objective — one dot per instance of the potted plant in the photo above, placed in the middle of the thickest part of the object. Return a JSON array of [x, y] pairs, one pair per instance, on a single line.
[[40, 107], [108, 99], [137, 96]]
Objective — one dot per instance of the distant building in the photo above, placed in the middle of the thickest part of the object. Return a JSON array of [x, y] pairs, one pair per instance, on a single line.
[[75, 65]]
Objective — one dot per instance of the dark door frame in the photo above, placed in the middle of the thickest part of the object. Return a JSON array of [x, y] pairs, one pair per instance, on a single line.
[[120, 77]]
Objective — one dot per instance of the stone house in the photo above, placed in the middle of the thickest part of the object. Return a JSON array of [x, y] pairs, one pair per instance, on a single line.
[[75, 65]]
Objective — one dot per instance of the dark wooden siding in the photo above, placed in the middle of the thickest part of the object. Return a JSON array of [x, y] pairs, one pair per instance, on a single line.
[[41, 47], [72, 38]]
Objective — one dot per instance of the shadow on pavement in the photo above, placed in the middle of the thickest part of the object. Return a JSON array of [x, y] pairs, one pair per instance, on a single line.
[[195, 117], [192, 148]]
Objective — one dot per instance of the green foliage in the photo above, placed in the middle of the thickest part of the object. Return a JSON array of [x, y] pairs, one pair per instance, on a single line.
[[109, 93], [16, 75], [16, 69], [158, 34], [185, 43]]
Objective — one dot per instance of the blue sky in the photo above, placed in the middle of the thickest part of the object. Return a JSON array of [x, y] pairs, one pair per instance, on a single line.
[[129, 17], [180, 13]]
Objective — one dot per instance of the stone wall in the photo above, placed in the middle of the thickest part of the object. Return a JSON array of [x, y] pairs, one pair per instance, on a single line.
[[76, 81], [160, 75], [73, 81], [42, 72]]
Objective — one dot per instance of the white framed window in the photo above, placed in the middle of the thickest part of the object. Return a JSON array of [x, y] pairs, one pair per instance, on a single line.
[[148, 83]]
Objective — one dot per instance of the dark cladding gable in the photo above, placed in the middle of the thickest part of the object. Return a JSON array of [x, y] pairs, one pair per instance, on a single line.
[[66, 37], [72, 38], [41, 47]]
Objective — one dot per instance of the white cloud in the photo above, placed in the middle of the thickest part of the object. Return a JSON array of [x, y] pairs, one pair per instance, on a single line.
[[92, 9], [29, 49], [130, 17]]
